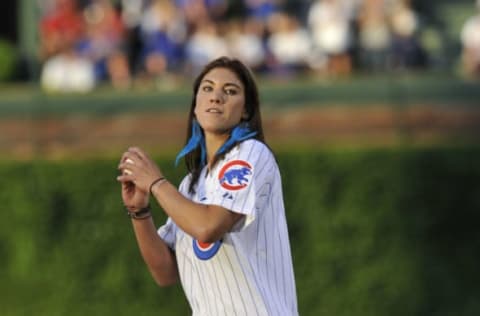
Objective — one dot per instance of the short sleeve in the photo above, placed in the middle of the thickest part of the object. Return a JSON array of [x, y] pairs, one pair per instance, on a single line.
[[243, 180], [169, 230], [168, 233]]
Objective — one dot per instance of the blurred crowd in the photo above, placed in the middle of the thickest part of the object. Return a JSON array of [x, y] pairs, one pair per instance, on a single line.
[[126, 42], [470, 39]]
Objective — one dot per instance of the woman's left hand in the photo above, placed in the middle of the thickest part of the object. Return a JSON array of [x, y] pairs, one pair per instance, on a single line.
[[138, 168]]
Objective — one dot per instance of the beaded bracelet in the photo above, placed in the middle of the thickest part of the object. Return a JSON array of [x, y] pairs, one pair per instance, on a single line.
[[143, 213]]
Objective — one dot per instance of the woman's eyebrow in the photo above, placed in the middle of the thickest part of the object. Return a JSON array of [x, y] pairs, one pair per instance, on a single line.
[[208, 81], [225, 85], [232, 84]]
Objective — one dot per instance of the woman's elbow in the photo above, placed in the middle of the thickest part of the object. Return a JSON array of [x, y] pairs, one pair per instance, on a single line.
[[207, 235], [164, 282], [162, 279]]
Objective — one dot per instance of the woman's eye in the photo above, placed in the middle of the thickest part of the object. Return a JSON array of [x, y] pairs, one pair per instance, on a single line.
[[207, 88], [231, 91]]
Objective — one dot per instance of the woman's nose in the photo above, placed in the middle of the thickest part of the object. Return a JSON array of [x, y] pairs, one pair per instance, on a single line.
[[216, 97]]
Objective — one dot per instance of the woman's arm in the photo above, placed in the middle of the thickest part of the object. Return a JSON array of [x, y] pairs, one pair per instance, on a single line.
[[157, 255], [206, 223]]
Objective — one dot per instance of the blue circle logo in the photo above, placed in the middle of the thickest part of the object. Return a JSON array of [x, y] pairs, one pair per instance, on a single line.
[[205, 251], [235, 175]]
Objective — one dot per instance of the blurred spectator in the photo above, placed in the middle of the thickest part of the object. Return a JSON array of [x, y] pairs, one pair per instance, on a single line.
[[406, 51], [68, 72], [217, 9], [132, 13], [470, 38], [374, 35], [330, 25], [61, 25], [199, 12], [204, 45], [64, 70], [160, 39], [247, 33], [163, 35], [104, 43], [289, 44], [262, 9]]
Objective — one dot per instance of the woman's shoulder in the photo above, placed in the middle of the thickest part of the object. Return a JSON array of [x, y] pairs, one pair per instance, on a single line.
[[185, 183], [253, 149]]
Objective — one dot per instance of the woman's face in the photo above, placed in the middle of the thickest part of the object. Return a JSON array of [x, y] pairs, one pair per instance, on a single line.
[[220, 101]]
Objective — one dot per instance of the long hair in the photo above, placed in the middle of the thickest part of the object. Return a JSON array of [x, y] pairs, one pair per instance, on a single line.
[[252, 107]]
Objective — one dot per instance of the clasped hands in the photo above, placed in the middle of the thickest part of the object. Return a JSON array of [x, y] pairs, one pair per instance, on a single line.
[[138, 172]]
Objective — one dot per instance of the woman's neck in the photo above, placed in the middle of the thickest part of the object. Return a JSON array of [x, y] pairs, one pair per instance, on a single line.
[[213, 143]]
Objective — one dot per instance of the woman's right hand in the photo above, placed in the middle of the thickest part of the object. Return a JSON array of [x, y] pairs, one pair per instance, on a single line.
[[133, 198]]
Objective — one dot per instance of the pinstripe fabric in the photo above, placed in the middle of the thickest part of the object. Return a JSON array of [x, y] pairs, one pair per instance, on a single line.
[[251, 273]]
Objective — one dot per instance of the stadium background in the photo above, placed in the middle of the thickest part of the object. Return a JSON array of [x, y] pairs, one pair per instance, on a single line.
[[380, 177]]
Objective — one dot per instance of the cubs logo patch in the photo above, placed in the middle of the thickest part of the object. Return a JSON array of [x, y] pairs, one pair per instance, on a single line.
[[235, 175], [205, 251]]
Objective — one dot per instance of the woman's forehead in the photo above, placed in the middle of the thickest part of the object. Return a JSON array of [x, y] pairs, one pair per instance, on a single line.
[[222, 75]]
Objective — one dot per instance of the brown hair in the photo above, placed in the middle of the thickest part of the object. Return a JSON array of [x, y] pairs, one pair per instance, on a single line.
[[252, 107]]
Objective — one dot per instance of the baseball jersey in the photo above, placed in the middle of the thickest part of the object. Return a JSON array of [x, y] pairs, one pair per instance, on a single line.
[[249, 271]]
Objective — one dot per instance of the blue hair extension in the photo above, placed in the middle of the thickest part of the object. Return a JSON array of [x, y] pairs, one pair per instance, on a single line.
[[239, 133], [197, 139]]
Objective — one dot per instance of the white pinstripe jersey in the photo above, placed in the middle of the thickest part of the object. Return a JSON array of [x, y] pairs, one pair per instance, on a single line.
[[248, 272]]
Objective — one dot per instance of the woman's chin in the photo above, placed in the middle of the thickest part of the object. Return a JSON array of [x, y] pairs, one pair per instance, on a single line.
[[212, 128]]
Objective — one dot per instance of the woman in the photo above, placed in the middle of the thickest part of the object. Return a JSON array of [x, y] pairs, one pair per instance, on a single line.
[[226, 236]]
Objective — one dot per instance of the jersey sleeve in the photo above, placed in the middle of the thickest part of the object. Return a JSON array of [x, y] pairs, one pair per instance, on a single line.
[[243, 181], [168, 231]]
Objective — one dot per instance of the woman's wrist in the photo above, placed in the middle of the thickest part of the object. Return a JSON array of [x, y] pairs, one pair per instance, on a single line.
[[155, 183], [140, 213]]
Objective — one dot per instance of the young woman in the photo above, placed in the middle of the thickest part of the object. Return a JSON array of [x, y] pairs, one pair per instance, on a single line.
[[226, 235]]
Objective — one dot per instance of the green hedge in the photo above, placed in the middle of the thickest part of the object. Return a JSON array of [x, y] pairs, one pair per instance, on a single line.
[[373, 232]]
